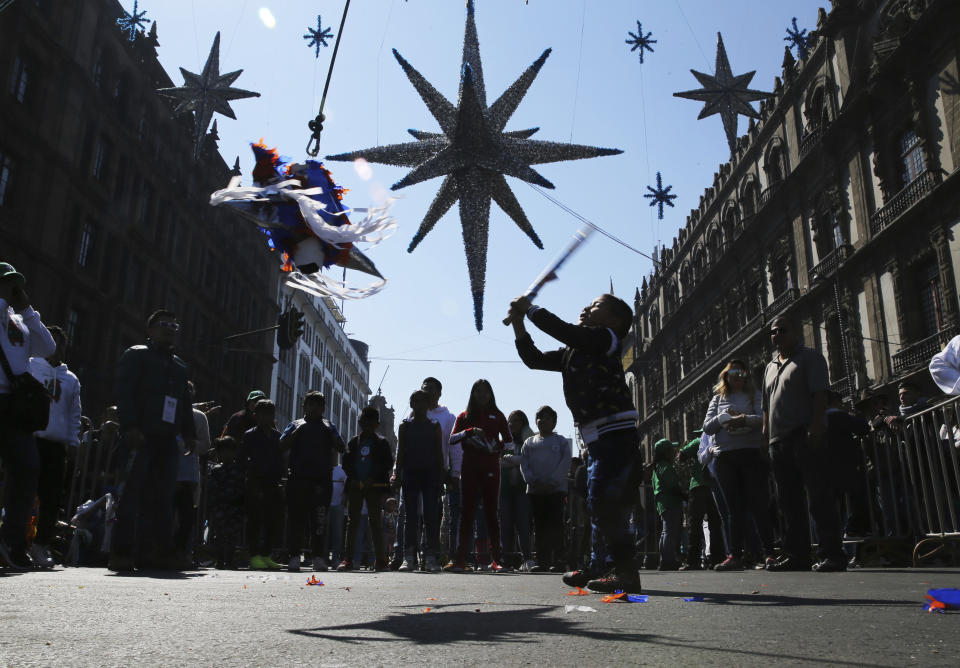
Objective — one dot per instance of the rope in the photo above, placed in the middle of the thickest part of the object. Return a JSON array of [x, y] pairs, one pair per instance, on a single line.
[[316, 125], [690, 28], [576, 88]]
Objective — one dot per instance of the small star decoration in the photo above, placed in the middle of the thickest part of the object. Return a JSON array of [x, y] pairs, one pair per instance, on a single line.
[[131, 23], [660, 196], [640, 41], [725, 94], [799, 39], [318, 37]]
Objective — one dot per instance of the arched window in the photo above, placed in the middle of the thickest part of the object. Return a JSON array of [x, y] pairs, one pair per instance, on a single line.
[[911, 156], [714, 245], [654, 318], [749, 196], [773, 165]]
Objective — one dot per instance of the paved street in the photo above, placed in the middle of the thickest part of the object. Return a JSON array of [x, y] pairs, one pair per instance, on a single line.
[[91, 617]]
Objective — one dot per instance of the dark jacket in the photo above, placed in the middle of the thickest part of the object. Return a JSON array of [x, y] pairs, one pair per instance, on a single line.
[[239, 423], [382, 463], [146, 376], [260, 451], [311, 444]]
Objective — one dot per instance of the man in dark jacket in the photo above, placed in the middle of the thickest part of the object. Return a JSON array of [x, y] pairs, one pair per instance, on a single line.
[[153, 408], [244, 419], [367, 462]]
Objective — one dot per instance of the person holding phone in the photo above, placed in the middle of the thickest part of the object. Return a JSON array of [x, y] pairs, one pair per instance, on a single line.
[[23, 336]]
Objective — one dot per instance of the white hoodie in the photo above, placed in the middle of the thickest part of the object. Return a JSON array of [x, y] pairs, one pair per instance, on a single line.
[[64, 425], [30, 338]]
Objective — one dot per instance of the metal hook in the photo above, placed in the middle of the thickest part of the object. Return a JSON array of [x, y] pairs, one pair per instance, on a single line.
[[316, 127]]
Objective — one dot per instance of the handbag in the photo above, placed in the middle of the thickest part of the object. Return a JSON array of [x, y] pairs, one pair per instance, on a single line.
[[28, 408]]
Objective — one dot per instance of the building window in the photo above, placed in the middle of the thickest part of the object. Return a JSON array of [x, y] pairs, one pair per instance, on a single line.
[[928, 290], [327, 393], [284, 398], [100, 156], [911, 156], [6, 178], [73, 326], [339, 374], [18, 84], [97, 72], [87, 237]]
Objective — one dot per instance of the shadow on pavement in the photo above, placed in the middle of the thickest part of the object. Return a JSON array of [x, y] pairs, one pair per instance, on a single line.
[[154, 575], [444, 627], [774, 599]]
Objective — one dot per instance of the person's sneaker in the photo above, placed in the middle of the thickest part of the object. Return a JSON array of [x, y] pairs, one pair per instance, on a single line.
[[120, 564], [528, 566], [496, 567], [257, 563], [320, 565], [293, 565], [830, 565], [789, 564], [431, 565], [668, 566], [408, 565], [538, 568], [615, 582], [731, 563], [395, 564], [269, 563], [555, 569], [346, 565], [577, 578], [767, 563], [458, 566], [379, 565], [692, 566], [40, 556]]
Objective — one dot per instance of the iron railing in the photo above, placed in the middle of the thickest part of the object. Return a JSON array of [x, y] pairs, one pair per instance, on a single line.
[[921, 351], [830, 263], [781, 303], [912, 193]]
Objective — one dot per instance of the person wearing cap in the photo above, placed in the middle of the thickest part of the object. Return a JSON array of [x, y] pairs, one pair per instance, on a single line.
[[23, 337], [669, 496], [154, 409], [243, 420], [700, 506]]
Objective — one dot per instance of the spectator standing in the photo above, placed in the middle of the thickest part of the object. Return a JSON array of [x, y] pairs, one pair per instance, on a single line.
[[243, 420], [187, 494], [795, 389], [843, 433], [367, 463], [23, 336], [669, 495], [264, 462], [514, 500], [544, 462], [153, 407], [337, 513], [482, 431], [700, 507], [313, 443], [226, 490], [53, 443]]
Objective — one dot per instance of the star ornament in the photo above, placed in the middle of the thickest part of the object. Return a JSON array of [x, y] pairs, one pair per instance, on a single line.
[[640, 41], [318, 37], [474, 153], [131, 23], [725, 94], [799, 39], [660, 196], [206, 93]]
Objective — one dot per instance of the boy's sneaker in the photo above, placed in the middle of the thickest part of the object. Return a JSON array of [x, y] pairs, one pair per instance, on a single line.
[[257, 563], [15, 558], [408, 565], [625, 581], [537, 568], [320, 565], [431, 565], [458, 566], [40, 556], [269, 563], [496, 567], [345, 565], [577, 578], [731, 563], [528, 566], [293, 565]]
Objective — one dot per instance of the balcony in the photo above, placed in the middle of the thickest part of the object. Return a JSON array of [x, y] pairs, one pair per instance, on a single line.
[[830, 263], [721, 353], [903, 200], [780, 303], [768, 192], [811, 137], [920, 352], [846, 387]]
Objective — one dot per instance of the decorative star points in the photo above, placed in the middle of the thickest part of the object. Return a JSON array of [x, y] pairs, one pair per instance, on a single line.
[[131, 23], [206, 93], [318, 37], [660, 196], [799, 39], [474, 154], [640, 41], [725, 94]]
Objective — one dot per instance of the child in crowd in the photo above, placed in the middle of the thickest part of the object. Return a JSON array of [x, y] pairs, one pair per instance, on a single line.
[[545, 465], [337, 513], [261, 453], [367, 463], [225, 501], [669, 497], [312, 442], [514, 502], [420, 470]]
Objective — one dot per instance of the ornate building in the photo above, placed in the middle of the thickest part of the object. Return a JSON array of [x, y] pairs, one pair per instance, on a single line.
[[105, 210], [840, 207]]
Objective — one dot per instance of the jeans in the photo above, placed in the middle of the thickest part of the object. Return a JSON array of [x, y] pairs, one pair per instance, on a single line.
[[53, 462], [186, 514], [798, 465], [335, 521], [610, 496], [356, 495], [421, 492], [515, 520], [307, 502], [145, 512], [18, 450], [264, 508], [701, 505], [672, 520], [453, 503], [743, 479], [548, 523]]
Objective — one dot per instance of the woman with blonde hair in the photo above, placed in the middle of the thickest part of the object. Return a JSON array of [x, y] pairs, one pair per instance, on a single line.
[[734, 420]]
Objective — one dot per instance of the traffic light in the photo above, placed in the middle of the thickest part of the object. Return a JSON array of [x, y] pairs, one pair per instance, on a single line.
[[296, 325], [283, 331]]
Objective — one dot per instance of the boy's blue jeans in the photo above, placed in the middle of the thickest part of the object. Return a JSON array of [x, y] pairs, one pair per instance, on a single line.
[[610, 496], [672, 519]]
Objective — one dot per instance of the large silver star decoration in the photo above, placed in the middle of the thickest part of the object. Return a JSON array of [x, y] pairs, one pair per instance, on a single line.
[[725, 94], [473, 153], [206, 93]]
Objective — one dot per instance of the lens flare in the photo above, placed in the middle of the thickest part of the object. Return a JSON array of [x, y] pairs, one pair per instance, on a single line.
[[266, 16]]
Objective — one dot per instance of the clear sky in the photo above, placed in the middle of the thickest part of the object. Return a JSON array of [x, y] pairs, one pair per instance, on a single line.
[[592, 90]]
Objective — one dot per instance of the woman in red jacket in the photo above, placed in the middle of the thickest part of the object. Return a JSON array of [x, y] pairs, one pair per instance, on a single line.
[[482, 431]]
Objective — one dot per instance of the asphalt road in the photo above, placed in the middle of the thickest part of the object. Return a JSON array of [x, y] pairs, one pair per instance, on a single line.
[[240, 618]]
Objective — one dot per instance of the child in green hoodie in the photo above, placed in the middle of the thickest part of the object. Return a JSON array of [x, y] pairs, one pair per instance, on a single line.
[[669, 496]]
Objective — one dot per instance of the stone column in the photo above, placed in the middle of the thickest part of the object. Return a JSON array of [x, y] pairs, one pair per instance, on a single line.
[[898, 298], [940, 239]]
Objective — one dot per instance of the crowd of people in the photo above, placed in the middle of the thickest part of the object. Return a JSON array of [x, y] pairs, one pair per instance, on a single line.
[[475, 491]]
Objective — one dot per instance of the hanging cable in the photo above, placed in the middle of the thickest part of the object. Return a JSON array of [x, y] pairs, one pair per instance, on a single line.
[[576, 88], [316, 125]]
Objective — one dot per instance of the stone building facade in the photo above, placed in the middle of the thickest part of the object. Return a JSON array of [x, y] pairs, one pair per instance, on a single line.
[[105, 211], [840, 207]]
